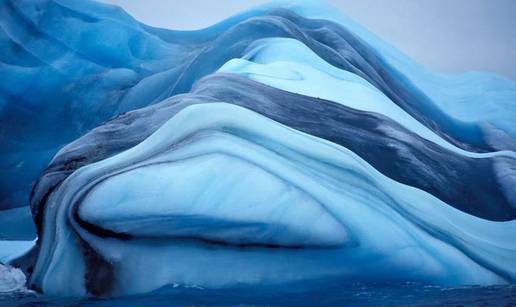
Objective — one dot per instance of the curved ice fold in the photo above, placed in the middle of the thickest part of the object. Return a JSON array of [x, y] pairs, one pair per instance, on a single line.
[[82, 63], [473, 97], [289, 65], [444, 244], [281, 145], [390, 148], [174, 207]]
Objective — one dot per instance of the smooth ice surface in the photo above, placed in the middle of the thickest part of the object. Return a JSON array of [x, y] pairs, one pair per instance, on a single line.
[[392, 149], [444, 244], [10, 250], [115, 64], [17, 224], [289, 65], [285, 144], [173, 206], [477, 97]]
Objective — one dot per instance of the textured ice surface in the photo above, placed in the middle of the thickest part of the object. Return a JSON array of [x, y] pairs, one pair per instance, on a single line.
[[282, 145], [11, 279]]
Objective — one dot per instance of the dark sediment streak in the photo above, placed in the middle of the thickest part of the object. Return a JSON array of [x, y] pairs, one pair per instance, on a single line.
[[386, 145]]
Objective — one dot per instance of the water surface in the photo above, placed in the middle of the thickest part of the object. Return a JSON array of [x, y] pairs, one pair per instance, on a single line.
[[406, 294]]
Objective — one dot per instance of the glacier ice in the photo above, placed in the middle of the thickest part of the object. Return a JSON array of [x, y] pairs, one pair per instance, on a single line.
[[306, 74], [240, 219], [281, 145], [122, 65], [377, 139]]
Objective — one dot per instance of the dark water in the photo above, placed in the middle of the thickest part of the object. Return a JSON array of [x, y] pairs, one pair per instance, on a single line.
[[340, 295]]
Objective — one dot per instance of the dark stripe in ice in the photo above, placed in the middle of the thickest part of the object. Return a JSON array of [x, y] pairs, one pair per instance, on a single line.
[[468, 184]]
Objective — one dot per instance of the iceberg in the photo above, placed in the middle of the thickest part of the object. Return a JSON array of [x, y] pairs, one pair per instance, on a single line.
[[117, 64], [273, 203], [392, 149], [282, 145]]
